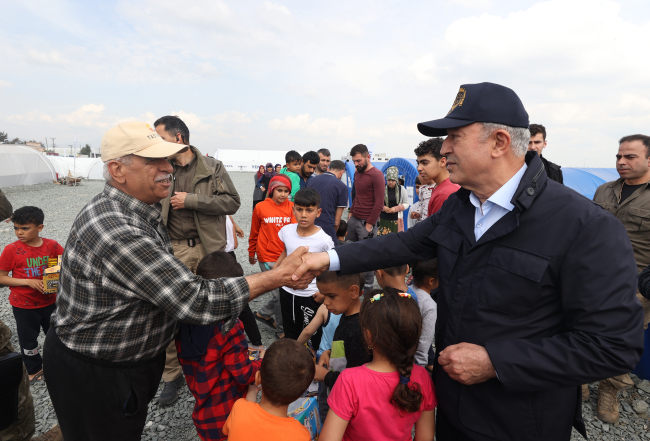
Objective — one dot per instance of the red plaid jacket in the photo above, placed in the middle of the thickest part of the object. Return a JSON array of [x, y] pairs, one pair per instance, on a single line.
[[219, 379]]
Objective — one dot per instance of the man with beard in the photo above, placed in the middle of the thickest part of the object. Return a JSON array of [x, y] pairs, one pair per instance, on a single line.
[[325, 158], [628, 199], [310, 162], [368, 201]]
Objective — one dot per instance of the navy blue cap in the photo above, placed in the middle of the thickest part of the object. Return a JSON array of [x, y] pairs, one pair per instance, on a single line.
[[482, 102]]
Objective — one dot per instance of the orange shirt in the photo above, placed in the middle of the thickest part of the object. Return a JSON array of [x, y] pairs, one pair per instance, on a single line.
[[268, 220], [248, 421]]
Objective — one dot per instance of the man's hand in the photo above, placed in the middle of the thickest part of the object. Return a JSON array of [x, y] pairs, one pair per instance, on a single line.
[[262, 188], [178, 200], [35, 284], [415, 215], [281, 275], [313, 264], [368, 227], [320, 373], [252, 260], [239, 232], [467, 363]]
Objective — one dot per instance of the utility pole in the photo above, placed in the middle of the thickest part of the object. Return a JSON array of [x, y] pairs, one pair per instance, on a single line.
[[53, 145], [47, 147]]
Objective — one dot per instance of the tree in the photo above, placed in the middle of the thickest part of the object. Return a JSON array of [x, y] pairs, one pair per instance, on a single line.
[[3, 136], [16, 141], [85, 150]]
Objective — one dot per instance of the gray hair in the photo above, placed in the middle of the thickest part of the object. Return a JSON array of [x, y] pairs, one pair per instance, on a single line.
[[126, 160], [520, 136]]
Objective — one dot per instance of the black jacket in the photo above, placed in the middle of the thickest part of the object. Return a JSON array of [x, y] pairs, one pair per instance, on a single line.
[[553, 171], [549, 291]]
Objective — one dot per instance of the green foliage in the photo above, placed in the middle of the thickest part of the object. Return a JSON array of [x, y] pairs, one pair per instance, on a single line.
[[85, 150], [3, 136]]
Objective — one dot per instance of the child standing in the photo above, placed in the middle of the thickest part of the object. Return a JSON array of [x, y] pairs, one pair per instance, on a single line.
[[294, 161], [246, 316], [26, 259], [298, 305], [269, 216], [395, 278], [341, 232], [328, 321], [342, 297], [286, 372], [216, 365], [383, 399]]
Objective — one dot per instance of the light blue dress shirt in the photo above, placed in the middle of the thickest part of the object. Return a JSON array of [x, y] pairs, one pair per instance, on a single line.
[[486, 215], [496, 206]]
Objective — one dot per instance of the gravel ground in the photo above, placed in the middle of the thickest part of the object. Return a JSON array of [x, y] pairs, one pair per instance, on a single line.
[[61, 204]]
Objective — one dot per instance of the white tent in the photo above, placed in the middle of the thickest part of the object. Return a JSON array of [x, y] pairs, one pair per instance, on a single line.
[[249, 160], [20, 165], [87, 168]]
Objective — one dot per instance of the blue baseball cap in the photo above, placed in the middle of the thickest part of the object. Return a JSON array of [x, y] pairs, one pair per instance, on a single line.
[[482, 102]]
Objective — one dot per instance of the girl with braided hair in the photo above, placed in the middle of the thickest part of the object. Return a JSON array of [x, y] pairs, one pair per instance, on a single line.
[[383, 399]]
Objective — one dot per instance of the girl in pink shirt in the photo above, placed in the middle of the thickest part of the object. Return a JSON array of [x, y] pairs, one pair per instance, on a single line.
[[382, 400]]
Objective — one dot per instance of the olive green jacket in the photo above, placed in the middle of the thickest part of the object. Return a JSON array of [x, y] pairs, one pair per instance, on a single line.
[[6, 210], [213, 197], [634, 214]]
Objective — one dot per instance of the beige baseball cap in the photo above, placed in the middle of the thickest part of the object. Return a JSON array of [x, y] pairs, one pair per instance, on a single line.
[[137, 138]]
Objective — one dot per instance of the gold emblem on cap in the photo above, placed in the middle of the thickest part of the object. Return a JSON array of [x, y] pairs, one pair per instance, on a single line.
[[460, 97]]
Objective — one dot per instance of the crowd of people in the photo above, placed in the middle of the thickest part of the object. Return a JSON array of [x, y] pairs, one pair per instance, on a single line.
[[529, 290]]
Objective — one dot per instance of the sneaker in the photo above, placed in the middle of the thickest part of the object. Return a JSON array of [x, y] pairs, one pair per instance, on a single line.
[[607, 410], [585, 392], [54, 434], [169, 393], [266, 320]]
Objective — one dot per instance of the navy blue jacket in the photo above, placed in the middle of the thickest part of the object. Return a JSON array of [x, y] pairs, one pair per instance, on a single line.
[[549, 291], [333, 194]]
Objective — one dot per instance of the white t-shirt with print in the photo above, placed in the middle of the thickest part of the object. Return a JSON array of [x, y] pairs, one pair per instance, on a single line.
[[321, 241]]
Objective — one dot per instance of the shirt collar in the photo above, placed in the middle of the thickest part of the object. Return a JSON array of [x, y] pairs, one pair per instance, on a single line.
[[151, 213], [503, 195]]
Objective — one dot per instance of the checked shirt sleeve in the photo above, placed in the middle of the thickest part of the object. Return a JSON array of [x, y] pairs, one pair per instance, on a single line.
[[142, 267]]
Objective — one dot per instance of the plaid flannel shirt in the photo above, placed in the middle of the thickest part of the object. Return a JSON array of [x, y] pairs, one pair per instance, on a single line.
[[219, 379], [121, 288]]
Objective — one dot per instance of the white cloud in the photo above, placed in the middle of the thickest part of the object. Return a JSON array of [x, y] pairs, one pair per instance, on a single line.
[[424, 68], [86, 115], [342, 127], [29, 117], [191, 120], [472, 4], [276, 8], [53, 58], [4, 83], [232, 117], [208, 70]]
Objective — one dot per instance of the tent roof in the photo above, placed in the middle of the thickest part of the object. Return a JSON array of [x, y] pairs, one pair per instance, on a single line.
[[23, 166]]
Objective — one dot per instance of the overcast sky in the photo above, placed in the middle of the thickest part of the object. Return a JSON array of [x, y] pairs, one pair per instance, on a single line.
[[306, 75]]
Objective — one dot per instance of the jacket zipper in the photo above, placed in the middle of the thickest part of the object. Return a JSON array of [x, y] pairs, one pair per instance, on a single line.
[[532, 400]]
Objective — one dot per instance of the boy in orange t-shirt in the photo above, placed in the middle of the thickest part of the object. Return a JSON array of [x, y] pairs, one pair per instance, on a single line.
[[286, 372], [269, 216]]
